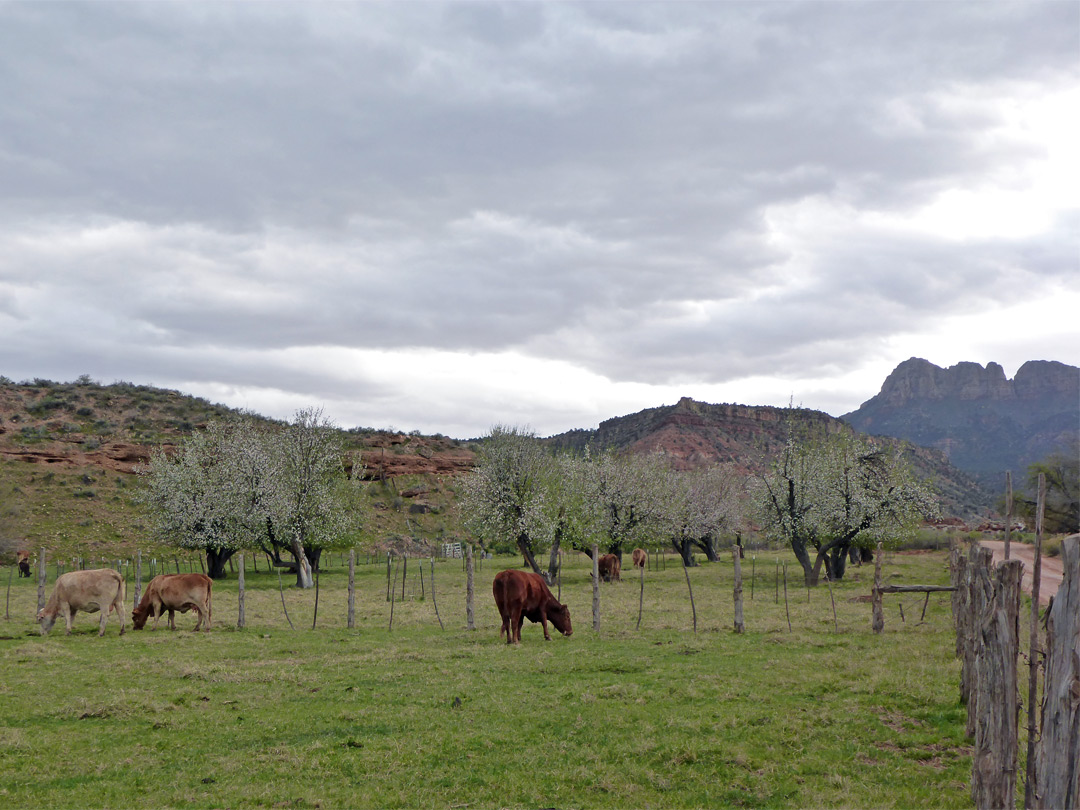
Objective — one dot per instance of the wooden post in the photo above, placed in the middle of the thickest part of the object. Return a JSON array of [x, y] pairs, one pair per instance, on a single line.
[[878, 622], [315, 615], [1057, 754], [740, 625], [281, 592], [393, 594], [42, 573], [352, 589], [420, 565], [1030, 782], [776, 581], [787, 610], [138, 577], [980, 594], [435, 602], [404, 571], [753, 575], [7, 604], [641, 598], [693, 607], [994, 759], [596, 587], [470, 620], [240, 594], [1008, 511], [387, 576], [832, 598]]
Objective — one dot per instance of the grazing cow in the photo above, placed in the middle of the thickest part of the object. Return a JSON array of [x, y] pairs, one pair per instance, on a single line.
[[610, 568], [641, 557], [23, 559], [173, 592], [523, 595], [89, 591]]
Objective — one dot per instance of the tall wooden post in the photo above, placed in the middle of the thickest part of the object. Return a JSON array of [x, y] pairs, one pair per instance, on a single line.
[[1030, 783], [596, 587], [240, 587], [878, 623], [1057, 755], [434, 601], [352, 588], [641, 598], [740, 626], [138, 577], [41, 581], [1008, 512], [470, 620]]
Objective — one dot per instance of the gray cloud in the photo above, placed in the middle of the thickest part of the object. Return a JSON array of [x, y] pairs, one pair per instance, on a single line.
[[653, 193]]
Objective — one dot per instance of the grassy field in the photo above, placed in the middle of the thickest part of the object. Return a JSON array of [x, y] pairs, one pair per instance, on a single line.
[[418, 716]]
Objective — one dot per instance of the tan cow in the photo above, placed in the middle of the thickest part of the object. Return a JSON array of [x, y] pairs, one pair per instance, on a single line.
[[175, 592], [640, 557], [89, 591], [610, 568]]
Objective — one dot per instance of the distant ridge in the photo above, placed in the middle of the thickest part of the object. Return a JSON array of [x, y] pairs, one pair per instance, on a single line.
[[985, 423], [695, 434]]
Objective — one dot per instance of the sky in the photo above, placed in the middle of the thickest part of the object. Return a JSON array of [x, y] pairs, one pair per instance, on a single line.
[[447, 216]]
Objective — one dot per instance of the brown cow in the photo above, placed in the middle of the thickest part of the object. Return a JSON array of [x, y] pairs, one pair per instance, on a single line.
[[523, 595], [22, 558], [175, 592], [610, 568], [641, 557], [89, 591]]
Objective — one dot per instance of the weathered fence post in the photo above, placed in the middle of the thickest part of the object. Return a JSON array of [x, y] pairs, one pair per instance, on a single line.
[[997, 623], [387, 576], [641, 597], [351, 623], [740, 626], [980, 592], [42, 573], [240, 595], [787, 609], [693, 607], [470, 618], [878, 622], [1057, 754], [1008, 512], [138, 576], [596, 587], [1031, 782], [434, 601]]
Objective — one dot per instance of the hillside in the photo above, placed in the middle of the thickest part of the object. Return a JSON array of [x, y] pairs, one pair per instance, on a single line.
[[696, 433], [69, 452], [983, 422]]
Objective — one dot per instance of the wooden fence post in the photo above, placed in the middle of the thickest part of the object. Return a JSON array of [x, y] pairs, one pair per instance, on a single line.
[[240, 587], [352, 589], [42, 573], [1008, 512], [596, 587], [1057, 754], [979, 595], [470, 620], [740, 625], [434, 601], [1031, 783], [138, 577], [878, 623], [641, 598], [997, 623], [686, 573]]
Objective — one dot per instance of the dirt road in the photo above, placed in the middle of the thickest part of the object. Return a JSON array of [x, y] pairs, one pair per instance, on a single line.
[[1052, 571]]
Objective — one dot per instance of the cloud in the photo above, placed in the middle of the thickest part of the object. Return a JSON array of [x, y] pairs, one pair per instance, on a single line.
[[397, 207]]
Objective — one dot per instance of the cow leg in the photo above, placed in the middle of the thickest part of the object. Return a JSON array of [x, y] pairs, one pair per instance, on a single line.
[[104, 621], [69, 614], [157, 615], [172, 619], [515, 626], [543, 623]]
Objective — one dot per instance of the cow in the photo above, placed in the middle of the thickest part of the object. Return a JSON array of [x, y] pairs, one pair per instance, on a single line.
[[89, 591], [523, 595], [641, 557], [22, 558], [175, 592], [610, 568]]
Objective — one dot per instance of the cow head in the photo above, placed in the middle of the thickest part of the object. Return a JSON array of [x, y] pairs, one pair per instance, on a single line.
[[46, 620], [560, 619], [139, 616]]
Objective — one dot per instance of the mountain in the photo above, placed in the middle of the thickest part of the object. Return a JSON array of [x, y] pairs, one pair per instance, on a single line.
[[983, 422], [695, 434]]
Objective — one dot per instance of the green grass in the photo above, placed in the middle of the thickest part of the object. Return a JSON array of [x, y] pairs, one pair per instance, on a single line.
[[422, 717]]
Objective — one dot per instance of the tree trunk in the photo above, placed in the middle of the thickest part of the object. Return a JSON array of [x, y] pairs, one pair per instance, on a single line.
[[685, 550], [553, 561], [525, 547], [798, 546], [216, 559], [304, 578], [708, 545]]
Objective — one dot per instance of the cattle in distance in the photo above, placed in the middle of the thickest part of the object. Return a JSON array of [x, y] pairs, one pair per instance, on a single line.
[[610, 568], [523, 595], [640, 557], [101, 589]]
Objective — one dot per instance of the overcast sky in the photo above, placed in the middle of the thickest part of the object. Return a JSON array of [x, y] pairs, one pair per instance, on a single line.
[[447, 216]]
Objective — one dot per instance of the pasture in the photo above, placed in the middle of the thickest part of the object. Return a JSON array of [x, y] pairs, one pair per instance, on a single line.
[[418, 716]]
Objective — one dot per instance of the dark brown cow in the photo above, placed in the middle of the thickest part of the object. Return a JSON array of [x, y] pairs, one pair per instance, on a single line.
[[175, 592], [640, 557], [523, 595], [22, 558], [89, 591], [610, 568]]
